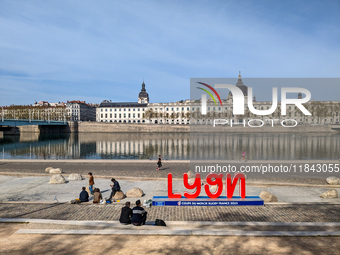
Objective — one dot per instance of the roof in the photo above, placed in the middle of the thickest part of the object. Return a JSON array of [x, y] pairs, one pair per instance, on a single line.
[[106, 103]]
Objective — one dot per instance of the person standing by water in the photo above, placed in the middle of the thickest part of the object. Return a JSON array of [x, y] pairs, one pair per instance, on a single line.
[[159, 162], [91, 182], [244, 156]]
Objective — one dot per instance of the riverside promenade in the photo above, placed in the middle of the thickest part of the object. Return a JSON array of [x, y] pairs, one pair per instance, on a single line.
[[299, 223]]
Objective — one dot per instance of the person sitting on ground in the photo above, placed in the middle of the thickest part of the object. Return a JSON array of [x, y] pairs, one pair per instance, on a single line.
[[97, 196], [138, 214], [126, 214], [115, 187], [84, 196]]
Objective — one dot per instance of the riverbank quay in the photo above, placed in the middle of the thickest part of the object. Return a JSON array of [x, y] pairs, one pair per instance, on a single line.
[[146, 169], [37, 189], [107, 127]]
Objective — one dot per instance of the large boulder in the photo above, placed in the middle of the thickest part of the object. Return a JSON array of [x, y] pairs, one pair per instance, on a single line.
[[119, 195], [74, 177], [134, 192], [57, 179], [332, 193], [56, 171], [191, 175], [47, 170], [332, 180], [268, 197]]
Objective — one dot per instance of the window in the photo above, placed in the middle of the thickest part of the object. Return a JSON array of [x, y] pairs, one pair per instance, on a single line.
[[167, 109], [193, 108], [138, 115], [105, 115], [110, 109], [208, 108], [115, 109], [161, 109], [182, 108], [134, 115], [110, 115], [219, 108], [177, 109], [120, 115], [129, 109], [138, 109], [101, 115], [155, 109], [101, 110], [115, 115], [124, 115], [187, 108], [134, 109], [129, 115], [214, 108], [172, 109], [120, 109], [106, 110], [124, 109]]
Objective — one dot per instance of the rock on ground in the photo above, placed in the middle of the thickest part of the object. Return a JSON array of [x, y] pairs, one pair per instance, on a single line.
[[332, 193], [57, 179], [268, 197], [190, 174], [56, 171], [74, 177], [119, 195], [134, 192], [332, 180], [47, 170]]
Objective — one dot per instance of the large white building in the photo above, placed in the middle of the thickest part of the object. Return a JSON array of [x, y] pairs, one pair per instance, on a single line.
[[188, 111]]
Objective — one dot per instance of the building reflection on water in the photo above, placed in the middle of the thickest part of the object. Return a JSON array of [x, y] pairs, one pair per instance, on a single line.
[[171, 146]]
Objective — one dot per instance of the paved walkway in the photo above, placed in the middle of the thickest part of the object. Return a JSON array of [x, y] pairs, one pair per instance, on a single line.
[[147, 169], [91, 212]]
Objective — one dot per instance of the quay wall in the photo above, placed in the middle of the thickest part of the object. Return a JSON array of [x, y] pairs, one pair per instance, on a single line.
[[99, 127]]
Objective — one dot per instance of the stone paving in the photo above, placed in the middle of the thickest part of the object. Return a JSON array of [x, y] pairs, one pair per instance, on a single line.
[[90, 212]]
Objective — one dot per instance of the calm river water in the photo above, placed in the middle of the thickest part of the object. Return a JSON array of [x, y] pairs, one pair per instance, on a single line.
[[171, 146]]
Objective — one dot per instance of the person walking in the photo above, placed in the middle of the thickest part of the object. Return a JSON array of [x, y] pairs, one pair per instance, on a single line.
[[244, 156], [91, 182], [159, 162]]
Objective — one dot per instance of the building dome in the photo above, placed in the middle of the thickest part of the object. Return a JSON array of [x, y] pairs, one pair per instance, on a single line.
[[143, 96], [241, 86]]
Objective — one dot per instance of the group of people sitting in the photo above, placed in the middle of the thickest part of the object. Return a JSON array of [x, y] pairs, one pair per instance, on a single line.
[[97, 196], [135, 216]]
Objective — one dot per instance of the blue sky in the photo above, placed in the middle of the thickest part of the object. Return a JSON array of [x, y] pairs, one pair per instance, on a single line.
[[96, 50]]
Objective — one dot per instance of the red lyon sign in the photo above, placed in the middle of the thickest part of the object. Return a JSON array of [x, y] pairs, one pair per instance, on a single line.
[[212, 179]]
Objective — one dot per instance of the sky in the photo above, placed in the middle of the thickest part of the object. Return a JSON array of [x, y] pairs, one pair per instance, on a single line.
[[103, 50]]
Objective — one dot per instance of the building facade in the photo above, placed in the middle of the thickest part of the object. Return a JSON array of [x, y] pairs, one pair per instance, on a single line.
[[189, 111], [80, 111]]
